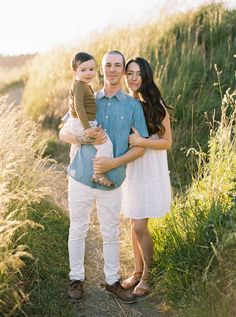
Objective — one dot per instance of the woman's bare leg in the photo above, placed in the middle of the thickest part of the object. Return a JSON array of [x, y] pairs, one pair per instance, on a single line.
[[134, 279], [138, 257], [144, 240]]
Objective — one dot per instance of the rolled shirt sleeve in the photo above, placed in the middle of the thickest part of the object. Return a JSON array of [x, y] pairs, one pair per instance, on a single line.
[[138, 120]]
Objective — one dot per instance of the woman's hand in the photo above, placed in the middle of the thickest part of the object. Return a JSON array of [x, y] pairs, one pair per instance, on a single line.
[[135, 139], [103, 164]]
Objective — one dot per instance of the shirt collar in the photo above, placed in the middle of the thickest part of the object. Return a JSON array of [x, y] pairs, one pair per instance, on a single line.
[[119, 95]]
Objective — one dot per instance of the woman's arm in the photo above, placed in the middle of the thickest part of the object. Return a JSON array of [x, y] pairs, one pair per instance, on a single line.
[[163, 143]]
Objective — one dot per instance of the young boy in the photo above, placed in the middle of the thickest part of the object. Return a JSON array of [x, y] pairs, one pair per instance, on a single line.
[[82, 108]]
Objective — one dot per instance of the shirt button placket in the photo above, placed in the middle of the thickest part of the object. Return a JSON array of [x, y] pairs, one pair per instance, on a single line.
[[108, 104]]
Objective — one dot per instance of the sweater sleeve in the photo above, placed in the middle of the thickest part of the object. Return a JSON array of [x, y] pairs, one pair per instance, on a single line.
[[79, 96]]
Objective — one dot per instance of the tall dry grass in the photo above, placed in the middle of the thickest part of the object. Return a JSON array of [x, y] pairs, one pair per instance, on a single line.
[[25, 178], [48, 85]]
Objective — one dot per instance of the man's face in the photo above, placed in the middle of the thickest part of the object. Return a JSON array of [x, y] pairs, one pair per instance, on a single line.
[[112, 69]]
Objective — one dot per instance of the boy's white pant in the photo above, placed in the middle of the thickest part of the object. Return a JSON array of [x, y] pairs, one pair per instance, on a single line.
[[81, 199], [75, 127]]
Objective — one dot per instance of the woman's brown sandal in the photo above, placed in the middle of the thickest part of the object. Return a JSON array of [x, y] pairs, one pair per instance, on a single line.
[[131, 281], [142, 288]]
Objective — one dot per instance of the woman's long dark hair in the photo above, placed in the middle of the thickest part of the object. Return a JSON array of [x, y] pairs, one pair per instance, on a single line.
[[150, 97]]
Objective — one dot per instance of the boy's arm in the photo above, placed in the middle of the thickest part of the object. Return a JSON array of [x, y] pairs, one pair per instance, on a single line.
[[79, 94]]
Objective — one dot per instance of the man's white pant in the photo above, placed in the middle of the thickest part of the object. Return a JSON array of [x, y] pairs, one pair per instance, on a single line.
[[81, 199]]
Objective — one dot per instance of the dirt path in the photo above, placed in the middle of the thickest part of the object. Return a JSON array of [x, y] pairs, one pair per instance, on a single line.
[[97, 302]]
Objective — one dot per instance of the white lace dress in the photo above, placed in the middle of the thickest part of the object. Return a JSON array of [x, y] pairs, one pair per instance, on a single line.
[[146, 191]]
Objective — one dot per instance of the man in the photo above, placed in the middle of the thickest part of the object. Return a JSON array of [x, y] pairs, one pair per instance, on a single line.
[[116, 113]]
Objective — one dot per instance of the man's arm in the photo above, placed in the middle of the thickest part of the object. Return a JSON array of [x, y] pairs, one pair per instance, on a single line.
[[104, 164], [88, 136]]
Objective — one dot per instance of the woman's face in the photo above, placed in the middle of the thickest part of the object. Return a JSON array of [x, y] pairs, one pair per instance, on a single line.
[[133, 77]]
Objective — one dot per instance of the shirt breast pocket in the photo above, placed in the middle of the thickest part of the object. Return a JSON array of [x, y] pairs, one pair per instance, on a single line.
[[122, 121]]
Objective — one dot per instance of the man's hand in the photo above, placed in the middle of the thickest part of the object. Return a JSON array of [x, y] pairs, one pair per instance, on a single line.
[[97, 135], [103, 164]]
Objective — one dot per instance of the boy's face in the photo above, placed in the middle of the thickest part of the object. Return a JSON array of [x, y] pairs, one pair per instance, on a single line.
[[86, 71], [112, 68]]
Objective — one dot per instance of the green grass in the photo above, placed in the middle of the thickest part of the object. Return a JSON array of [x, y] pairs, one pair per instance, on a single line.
[[194, 245], [45, 277], [26, 178], [53, 147]]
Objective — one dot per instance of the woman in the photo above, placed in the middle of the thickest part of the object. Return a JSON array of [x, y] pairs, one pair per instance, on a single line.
[[147, 191]]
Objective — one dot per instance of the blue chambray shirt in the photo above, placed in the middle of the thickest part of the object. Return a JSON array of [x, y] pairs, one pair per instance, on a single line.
[[116, 115]]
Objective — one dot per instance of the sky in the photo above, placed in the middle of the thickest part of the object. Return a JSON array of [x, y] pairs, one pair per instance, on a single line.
[[30, 26]]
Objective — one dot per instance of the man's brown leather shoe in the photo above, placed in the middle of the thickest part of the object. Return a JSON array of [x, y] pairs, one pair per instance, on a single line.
[[75, 291], [124, 295]]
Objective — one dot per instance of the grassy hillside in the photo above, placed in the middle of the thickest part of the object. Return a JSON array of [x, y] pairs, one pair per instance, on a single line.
[[11, 61], [183, 52], [13, 71], [194, 245]]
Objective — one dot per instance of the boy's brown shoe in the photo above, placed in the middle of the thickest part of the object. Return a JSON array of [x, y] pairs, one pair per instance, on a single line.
[[124, 295], [75, 291]]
